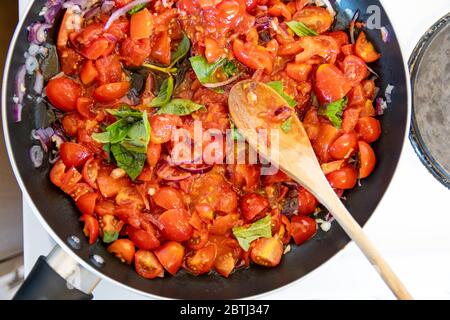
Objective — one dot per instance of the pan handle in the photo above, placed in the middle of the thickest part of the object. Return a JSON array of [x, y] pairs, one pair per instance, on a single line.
[[57, 277]]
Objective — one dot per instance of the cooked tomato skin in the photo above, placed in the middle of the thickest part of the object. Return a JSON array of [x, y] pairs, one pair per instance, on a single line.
[[171, 255], [123, 249], [57, 173], [63, 93], [147, 265], [74, 154], [176, 225], [267, 252], [344, 146], [344, 178], [369, 129], [169, 198], [253, 204], [316, 18], [303, 229], [111, 91], [253, 56]]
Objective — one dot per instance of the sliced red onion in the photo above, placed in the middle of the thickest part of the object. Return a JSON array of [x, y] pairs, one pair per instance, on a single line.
[[38, 32], [381, 105], [123, 11], [107, 6], [223, 83], [92, 12], [37, 156], [169, 173], [17, 109], [53, 7], [196, 168], [388, 93], [352, 27], [20, 83], [110, 37], [155, 221], [385, 36], [44, 136], [373, 72], [39, 83]]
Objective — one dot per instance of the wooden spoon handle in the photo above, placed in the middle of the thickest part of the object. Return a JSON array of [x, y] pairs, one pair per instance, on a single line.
[[355, 232]]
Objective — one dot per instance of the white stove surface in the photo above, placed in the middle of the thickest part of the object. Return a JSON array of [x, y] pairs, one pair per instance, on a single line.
[[410, 226]]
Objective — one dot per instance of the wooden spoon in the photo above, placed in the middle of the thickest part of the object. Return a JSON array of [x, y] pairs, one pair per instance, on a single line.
[[248, 102]]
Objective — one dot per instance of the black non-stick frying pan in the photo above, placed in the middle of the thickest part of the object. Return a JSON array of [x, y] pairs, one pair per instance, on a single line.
[[61, 219]]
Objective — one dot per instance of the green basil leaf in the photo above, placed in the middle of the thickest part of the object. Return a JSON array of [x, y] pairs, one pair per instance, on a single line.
[[131, 162], [300, 29], [278, 87], [110, 236], [118, 131], [103, 137], [125, 113], [260, 229], [334, 111], [137, 8], [164, 94], [180, 107], [287, 125], [230, 68], [205, 71], [182, 50]]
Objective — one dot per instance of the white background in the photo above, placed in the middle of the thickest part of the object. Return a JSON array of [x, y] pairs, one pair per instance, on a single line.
[[410, 226]]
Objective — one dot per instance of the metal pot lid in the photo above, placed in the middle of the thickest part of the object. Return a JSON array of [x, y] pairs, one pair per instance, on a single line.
[[430, 76]]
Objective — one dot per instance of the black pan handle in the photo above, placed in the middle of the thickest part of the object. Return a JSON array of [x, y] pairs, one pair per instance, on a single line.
[[57, 277]]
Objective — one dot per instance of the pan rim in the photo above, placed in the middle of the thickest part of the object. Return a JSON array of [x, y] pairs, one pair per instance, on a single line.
[[60, 242]]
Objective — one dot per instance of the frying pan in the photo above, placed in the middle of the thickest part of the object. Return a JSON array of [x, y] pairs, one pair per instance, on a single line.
[[87, 264]]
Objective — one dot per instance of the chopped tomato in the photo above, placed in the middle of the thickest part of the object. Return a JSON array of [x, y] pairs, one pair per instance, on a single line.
[[162, 127], [367, 159], [90, 228], [84, 107], [78, 190], [223, 224], [141, 25], [252, 205], [365, 49], [104, 207], [111, 91], [147, 265], [70, 123], [253, 56], [70, 179], [213, 51], [344, 178], [123, 249], [201, 261], [331, 84], [303, 229], [169, 198], [74, 154], [86, 203], [317, 18], [171, 255], [161, 49], [176, 225], [99, 48], [145, 240], [267, 252], [109, 69], [88, 73], [134, 52], [299, 71], [326, 137], [90, 172], [199, 239], [341, 37], [307, 203], [325, 47], [355, 69], [228, 252], [350, 119], [153, 154], [57, 173], [369, 129], [344, 146], [108, 186], [63, 93]]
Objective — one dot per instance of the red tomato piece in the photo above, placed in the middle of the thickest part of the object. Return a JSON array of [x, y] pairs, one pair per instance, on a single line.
[[201, 261], [134, 52], [355, 69], [169, 198], [109, 69], [74, 154], [145, 240], [267, 252], [57, 173], [199, 239], [344, 146], [367, 159], [63, 93], [331, 84], [111, 91], [369, 129], [90, 172], [316, 18], [163, 126], [84, 107], [253, 204], [307, 203], [223, 224], [108, 186], [365, 49], [303, 229], [86, 203], [88, 73], [253, 56], [344, 178], [123, 249], [90, 228], [326, 137], [161, 51], [147, 265], [141, 25], [176, 225], [171, 255]]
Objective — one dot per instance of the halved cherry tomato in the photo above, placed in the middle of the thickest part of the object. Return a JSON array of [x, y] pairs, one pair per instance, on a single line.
[[331, 84], [78, 190], [298, 71], [350, 119], [70, 179], [267, 252], [112, 225], [369, 129], [70, 123], [99, 48], [365, 49], [90, 172], [171, 256], [307, 203], [253, 56], [228, 253], [280, 9], [109, 69], [111, 91], [63, 93], [223, 224], [245, 176], [141, 25], [153, 154], [169, 198], [303, 229], [84, 107], [344, 178], [104, 207], [74, 154], [123, 249], [253, 204], [348, 49], [201, 261], [108, 186], [326, 137], [90, 228], [145, 240], [355, 69], [147, 265], [323, 46], [88, 73], [134, 52], [130, 197], [86, 203], [344, 146], [120, 28], [212, 50], [316, 18], [161, 49], [57, 173], [312, 124], [199, 239], [162, 127], [341, 37], [176, 225], [367, 159]]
